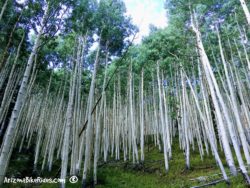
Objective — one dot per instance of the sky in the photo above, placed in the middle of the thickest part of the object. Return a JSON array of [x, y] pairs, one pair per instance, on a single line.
[[146, 12]]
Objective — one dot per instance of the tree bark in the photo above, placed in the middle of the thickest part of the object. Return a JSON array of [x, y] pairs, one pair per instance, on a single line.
[[10, 133], [246, 11], [89, 131], [212, 83]]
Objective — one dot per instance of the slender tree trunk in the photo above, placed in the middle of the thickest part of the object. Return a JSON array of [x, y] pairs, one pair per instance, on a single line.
[[5, 97], [3, 8], [10, 133], [208, 130], [142, 117], [208, 72], [89, 131], [234, 104], [132, 117], [162, 122], [246, 11], [69, 121], [185, 122], [98, 131], [5, 52]]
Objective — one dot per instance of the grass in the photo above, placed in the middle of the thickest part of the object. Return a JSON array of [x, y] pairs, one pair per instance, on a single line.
[[118, 174]]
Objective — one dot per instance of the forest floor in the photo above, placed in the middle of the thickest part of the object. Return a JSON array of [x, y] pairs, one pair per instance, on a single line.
[[118, 174]]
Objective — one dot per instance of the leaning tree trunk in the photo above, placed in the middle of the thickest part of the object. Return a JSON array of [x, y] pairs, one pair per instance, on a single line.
[[9, 138], [69, 117], [208, 131], [185, 122], [234, 104], [89, 131], [246, 11], [207, 69], [5, 52], [98, 128], [3, 8], [10, 80], [163, 129]]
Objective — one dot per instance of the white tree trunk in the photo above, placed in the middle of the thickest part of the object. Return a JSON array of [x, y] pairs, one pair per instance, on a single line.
[[142, 117], [208, 131], [162, 122], [89, 131], [10, 80], [9, 138], [132, 120], [208, 71], [234, 104], [69, 117], [246, 11], [98, 131]]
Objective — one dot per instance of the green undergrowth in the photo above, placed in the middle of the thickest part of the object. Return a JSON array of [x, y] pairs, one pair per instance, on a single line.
[[150, 174]]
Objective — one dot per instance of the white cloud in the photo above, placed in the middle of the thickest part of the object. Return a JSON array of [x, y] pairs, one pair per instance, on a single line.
[[146, 12]]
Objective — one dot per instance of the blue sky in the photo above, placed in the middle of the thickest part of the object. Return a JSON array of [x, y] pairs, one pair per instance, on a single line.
[[146, 12]]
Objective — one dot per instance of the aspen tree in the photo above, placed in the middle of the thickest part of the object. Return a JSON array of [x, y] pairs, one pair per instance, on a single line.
[[9, 41], [41, 126], [98, 123], [3, 9], [132, 118], [55, 129], [69, 119], [10, 133], [212, 83], [162, 122], [76, 111], [234, 103], [185, 122], [8, 87], [89, 131], [142, 116], [246, 11], [208, 130], [5, 71], [167, 121]]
